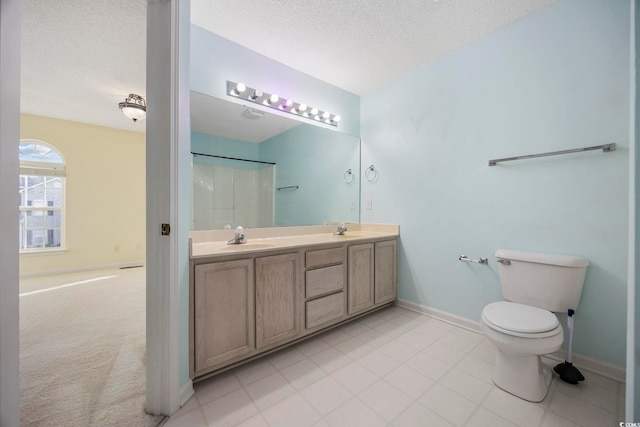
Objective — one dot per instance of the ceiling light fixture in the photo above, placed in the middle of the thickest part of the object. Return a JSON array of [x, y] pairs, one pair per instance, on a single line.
[[134, 107], [240, 90]]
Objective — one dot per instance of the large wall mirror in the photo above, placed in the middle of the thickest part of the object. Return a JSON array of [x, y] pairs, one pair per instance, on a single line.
[[257, 169]]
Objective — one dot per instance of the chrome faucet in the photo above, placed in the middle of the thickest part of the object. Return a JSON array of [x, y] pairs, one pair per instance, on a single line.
[[341, 229], [238, 238]]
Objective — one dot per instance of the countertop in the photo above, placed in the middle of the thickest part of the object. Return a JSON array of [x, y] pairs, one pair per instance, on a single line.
[[215, 247]]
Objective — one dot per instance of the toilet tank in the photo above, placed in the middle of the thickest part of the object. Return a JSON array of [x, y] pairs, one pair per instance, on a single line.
[[548, 281]]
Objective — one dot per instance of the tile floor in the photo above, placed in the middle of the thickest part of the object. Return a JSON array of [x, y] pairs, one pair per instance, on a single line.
[[392, 368]]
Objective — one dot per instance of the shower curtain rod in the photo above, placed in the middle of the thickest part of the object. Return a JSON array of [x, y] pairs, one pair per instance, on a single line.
[[232, 158]]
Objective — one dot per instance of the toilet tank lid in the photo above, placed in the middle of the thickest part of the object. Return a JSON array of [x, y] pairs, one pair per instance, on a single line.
[[542, 258]]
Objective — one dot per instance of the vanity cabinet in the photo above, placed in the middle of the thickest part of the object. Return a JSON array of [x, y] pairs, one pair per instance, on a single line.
[[360, 261], [325, 281], [244, 305], [277, 311], [372, 275], [223, 326], [385, 272]]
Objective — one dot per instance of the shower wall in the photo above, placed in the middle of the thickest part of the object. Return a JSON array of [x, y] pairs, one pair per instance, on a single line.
[[231, 194]]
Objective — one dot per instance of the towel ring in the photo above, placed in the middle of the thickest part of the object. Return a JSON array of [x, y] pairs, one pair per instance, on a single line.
[[348, 176], [371, 173]]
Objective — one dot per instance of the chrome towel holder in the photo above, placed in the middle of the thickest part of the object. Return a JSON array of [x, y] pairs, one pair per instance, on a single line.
[[605, 149], [467, 259], [371, 173], [348, 176]]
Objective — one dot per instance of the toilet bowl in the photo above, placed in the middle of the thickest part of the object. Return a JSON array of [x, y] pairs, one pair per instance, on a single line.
[[524, 327], [521, 335]]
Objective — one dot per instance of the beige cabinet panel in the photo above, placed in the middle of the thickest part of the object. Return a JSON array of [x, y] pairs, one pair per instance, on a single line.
[[322, 310], [324, 280], [224, 312], [322, 257], [386, 282], [360, 278], [277, 305]]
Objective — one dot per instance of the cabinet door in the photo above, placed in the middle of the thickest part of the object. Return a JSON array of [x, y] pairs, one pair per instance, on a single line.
[[277, 283], [224, 312], [360, 278], [386, 287]]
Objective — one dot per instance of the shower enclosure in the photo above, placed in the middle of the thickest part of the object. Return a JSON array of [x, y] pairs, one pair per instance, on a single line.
[[232, 192]]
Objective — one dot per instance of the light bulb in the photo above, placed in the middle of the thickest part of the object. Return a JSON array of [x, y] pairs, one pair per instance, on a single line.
[[256, 94], [337, 118], [314, 111], [273, 99], [326, 115], [240, 87], [286, 104], [301, 109]]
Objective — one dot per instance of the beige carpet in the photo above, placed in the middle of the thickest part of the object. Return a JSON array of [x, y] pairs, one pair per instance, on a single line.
[[82, 349]]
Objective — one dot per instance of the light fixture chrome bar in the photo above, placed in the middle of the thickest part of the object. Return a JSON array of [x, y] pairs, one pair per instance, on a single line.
[[271, 100], [605, 148]]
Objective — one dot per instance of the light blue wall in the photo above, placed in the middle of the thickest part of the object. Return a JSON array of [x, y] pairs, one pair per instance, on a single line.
[[214, 60], [316, 161], [218, 146], [556, 79]]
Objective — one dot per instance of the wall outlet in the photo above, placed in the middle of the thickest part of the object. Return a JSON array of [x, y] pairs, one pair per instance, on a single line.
[[353, 205], [138, 247], [116, 248], [369, 205]]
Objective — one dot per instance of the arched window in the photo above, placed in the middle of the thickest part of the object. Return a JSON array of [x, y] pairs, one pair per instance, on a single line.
[[42, 197]]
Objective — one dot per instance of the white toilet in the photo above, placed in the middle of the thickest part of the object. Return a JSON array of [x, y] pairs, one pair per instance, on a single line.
[[523, 328]]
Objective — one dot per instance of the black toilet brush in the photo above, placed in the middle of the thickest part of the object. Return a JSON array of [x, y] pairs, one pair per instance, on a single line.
[[566, 370]]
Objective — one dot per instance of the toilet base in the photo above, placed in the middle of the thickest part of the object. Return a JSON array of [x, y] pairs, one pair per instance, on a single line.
[[524, 376]]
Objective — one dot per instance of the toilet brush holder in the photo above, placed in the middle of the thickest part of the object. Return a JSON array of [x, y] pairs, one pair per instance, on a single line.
[[566, 370]]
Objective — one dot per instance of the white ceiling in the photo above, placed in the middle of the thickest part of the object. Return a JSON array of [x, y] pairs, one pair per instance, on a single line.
[[357, 45], [81, 57]]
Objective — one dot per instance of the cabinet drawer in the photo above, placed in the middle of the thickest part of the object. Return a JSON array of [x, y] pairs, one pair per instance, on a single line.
[[325, 309], [324, 280], [323, 257]]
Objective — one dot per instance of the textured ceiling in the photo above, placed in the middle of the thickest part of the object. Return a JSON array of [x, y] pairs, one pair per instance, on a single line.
[[81, 57], [357, 45]]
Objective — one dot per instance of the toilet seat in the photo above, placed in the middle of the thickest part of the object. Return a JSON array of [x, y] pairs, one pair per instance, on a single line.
[[521, 320]]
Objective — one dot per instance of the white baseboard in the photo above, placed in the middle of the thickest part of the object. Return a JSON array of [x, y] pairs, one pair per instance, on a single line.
[[85, 268], [600, 367], [444, 316]]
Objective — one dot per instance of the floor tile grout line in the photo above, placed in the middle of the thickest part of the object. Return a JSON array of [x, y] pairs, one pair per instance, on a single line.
[[398, 363]]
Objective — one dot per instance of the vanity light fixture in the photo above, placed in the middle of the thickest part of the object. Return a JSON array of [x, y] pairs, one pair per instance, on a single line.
[[302, 108], [134, 107], [256, 94], [273, 99], [240, 90]]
